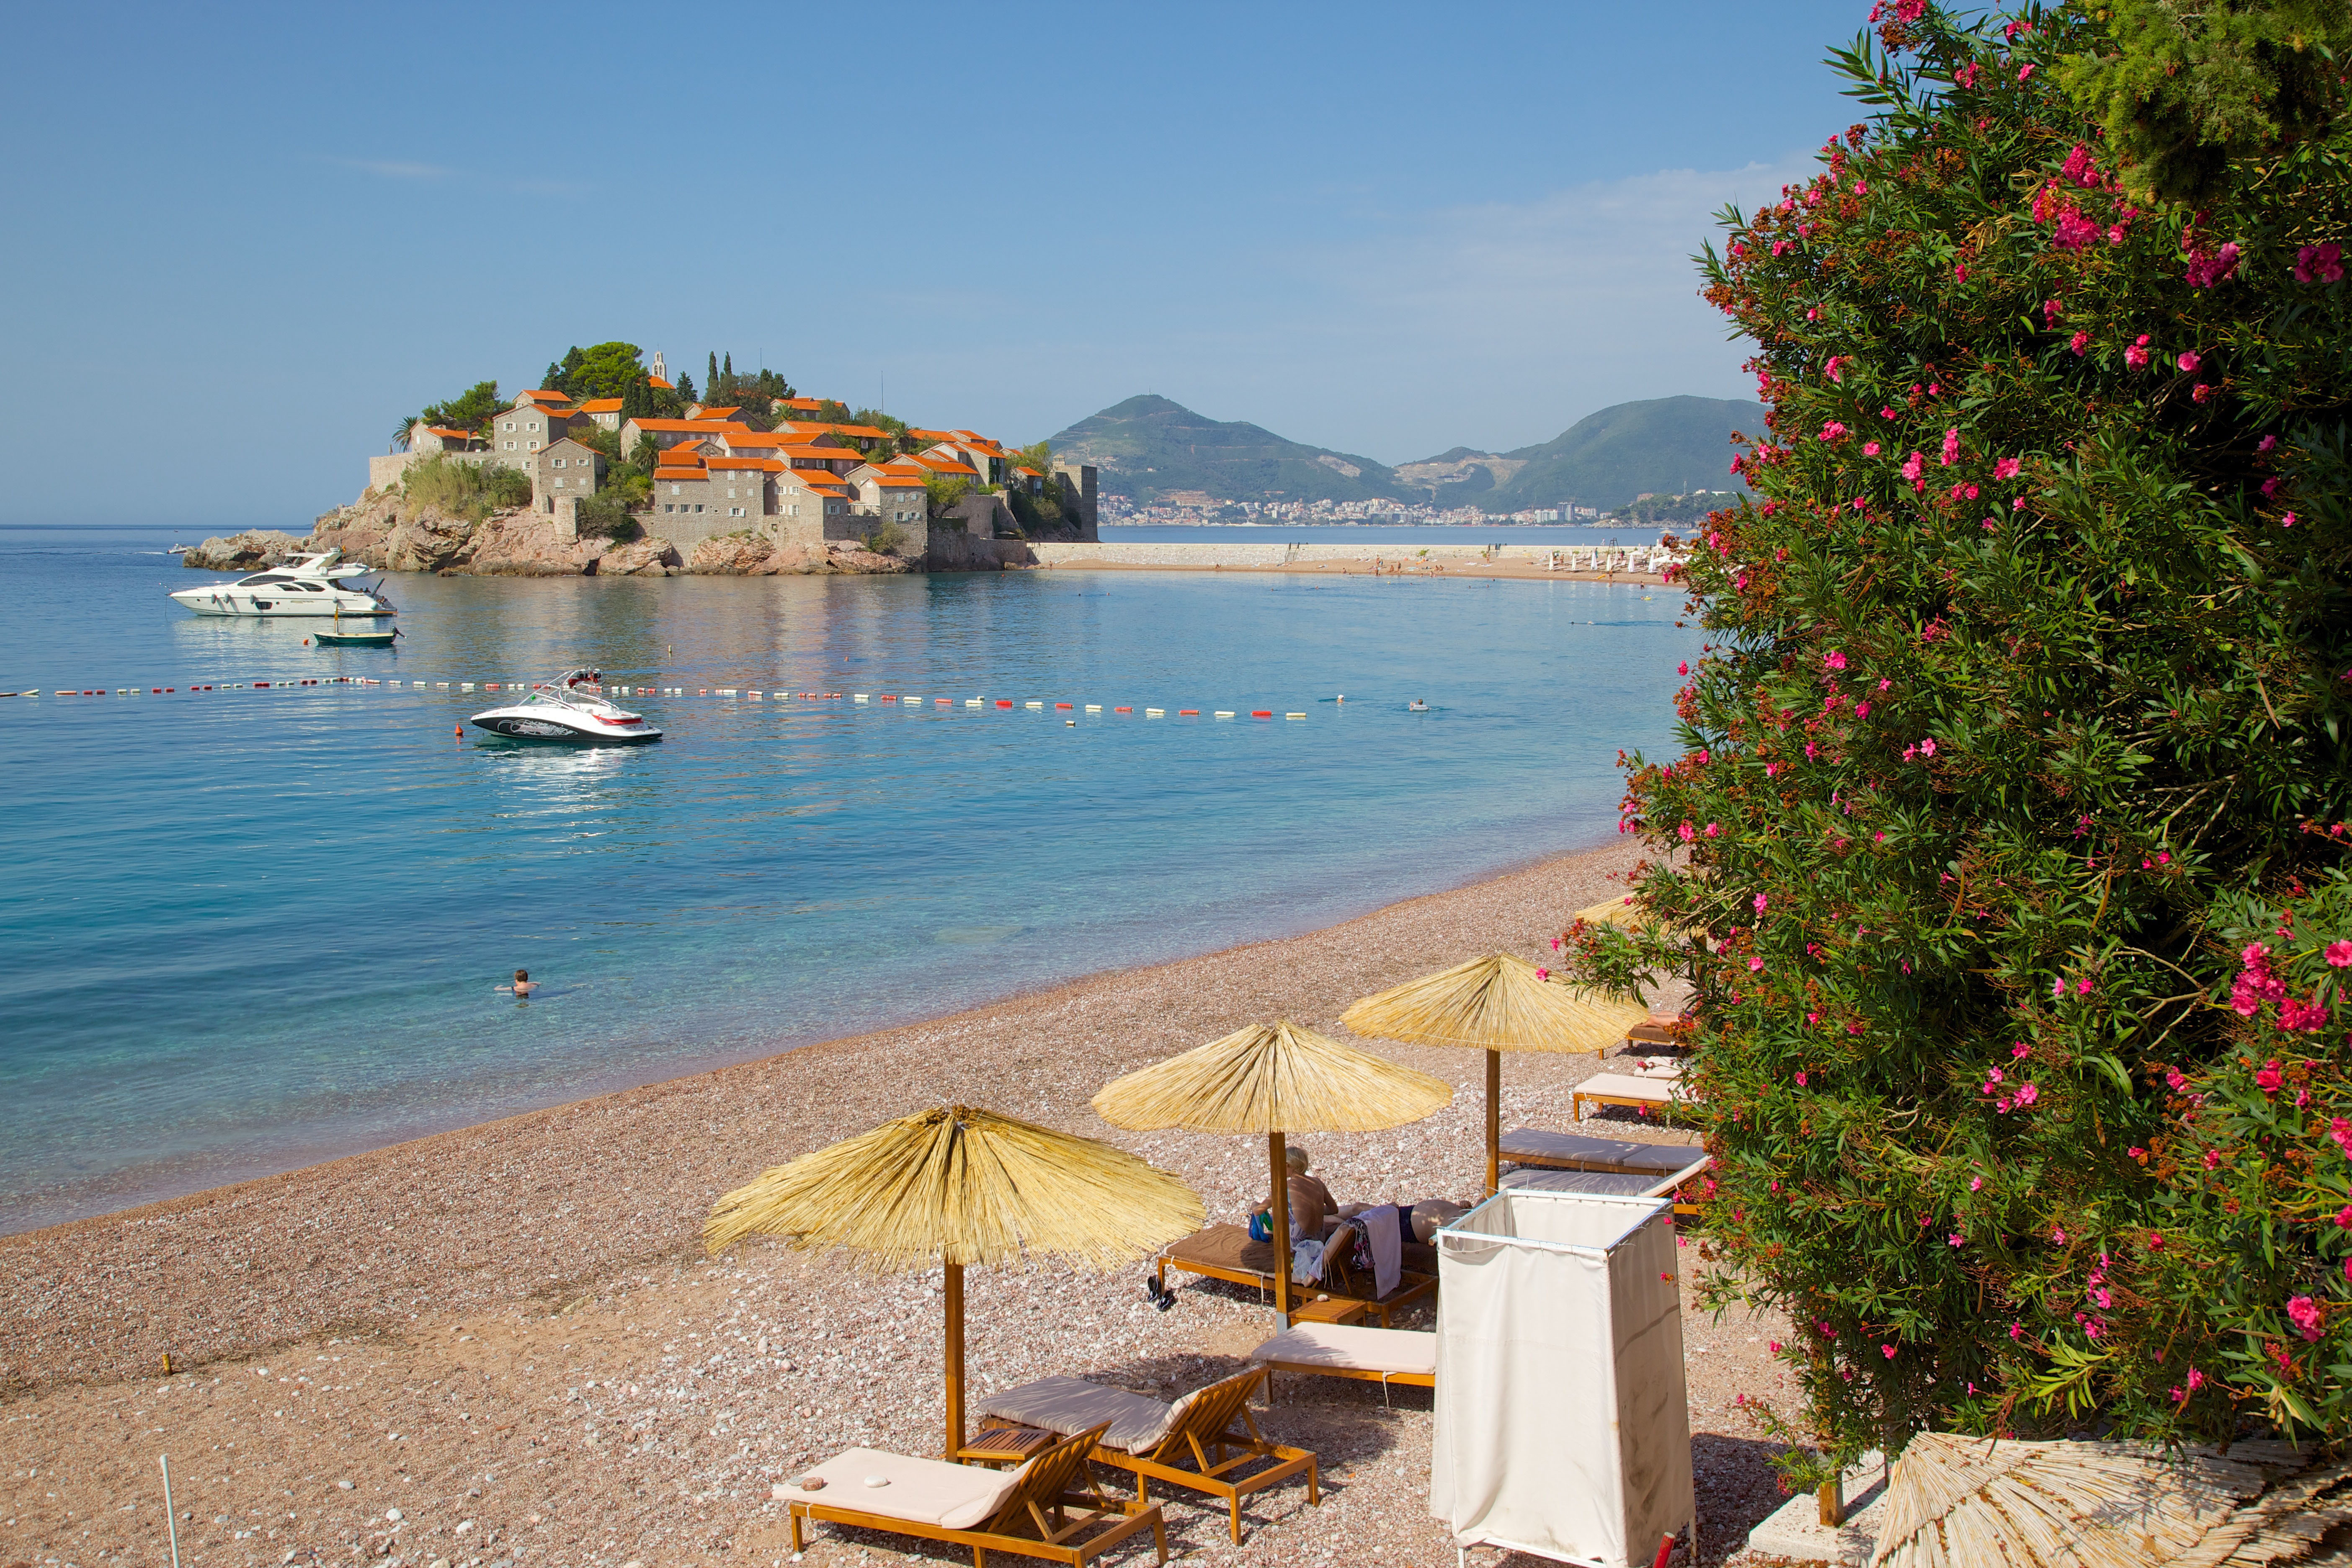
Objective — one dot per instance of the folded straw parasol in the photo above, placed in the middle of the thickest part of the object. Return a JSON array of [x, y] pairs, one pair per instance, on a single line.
[[1957, 1501], [1273, 1078], [1495, 1003], [965, 1187]]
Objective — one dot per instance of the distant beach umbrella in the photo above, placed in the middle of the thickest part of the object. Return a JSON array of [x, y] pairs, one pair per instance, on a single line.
[[1957, 1500], [962, 1187], [1496, 1004], [1274, 1079]]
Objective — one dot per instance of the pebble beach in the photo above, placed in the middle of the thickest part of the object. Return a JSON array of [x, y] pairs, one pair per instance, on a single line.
[[504, 1344]]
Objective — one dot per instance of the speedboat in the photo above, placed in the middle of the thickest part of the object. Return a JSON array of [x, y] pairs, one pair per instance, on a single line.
[[571, 710], [302, 585]]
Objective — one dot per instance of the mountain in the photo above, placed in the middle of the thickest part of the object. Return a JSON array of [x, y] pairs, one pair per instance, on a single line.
[[1665, 446], [1149, 448]]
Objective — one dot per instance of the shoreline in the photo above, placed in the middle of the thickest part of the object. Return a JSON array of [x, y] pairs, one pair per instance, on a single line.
[[55, 1275], [506, 1340]]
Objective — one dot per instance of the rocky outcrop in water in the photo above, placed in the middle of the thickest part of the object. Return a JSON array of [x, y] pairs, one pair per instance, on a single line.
[[248, 551], [388, 531]]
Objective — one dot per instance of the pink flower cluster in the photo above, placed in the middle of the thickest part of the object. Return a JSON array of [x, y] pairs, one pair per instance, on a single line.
[[2207, 268], [2319, 263], [2137, 355], [2305, 1314]]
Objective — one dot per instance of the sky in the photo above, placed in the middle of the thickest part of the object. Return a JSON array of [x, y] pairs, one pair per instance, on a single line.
[[275, 231]]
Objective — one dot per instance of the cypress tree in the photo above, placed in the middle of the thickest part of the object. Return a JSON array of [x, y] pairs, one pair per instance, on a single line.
[[710, 377]]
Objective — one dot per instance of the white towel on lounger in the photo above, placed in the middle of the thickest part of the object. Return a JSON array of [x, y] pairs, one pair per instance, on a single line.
[[1387, 1254]]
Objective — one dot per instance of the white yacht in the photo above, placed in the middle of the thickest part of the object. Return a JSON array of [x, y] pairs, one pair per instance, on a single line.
[[573, 710], [303, 586]]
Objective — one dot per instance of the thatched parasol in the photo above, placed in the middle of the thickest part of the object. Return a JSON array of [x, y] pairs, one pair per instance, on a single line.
[[1273, 1078], [1495, 1003], [963, 1187], [1958, 1500]]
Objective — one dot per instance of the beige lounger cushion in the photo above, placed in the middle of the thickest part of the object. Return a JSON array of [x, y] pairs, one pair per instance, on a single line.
[[1610, 1184], [1346, 1348], [1063, 1405], [1621, 1153], [922, 1491], [1625, 1085]]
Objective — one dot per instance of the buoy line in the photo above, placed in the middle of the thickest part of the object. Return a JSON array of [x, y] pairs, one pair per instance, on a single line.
[[750, 694]]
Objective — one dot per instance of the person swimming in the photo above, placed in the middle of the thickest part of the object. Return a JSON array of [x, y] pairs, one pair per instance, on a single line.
[[523, 984]]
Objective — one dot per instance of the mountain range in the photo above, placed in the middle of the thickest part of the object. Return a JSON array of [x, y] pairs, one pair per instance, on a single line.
[[1151, 449]]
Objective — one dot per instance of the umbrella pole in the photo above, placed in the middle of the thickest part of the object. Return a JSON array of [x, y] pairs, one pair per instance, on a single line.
[[1494, 1123], [955, 1360], [1281, 1229]]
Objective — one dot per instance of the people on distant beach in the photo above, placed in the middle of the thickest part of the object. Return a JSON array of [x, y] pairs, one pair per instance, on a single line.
[[523, 984]]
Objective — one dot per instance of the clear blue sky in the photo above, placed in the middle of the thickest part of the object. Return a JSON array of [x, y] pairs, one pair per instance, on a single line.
[[248, 239]]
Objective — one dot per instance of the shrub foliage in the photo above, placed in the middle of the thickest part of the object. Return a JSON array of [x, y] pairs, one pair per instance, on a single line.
[[2007, 857]]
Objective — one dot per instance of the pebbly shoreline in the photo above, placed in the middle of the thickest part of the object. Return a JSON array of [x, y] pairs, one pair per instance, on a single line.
[[511, 1328]]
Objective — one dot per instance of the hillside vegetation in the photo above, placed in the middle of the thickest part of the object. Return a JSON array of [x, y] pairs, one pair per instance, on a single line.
[[1149, 447]]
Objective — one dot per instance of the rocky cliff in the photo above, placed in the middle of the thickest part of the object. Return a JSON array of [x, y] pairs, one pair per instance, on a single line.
[[388, 531]]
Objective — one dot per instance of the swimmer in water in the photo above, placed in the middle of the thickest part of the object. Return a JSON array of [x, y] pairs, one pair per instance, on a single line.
[[523, 984]]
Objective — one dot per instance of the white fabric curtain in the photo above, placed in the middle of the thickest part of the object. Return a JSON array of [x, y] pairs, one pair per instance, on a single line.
[[1563, 1428]]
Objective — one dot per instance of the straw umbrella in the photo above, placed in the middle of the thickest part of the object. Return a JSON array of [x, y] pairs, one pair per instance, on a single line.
[[1958, 1499], [1495, 1003], [965, 1187], [1274, 1078]]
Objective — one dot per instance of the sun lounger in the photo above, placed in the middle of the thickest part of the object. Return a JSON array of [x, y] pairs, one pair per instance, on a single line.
[[1384, 1356], [1625, 1089], [1660, 1167], [1152, 1441], [1225, 1252], [965, 1506]]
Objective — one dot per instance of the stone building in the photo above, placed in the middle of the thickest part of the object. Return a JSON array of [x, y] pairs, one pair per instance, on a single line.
[[537, 420], [567, 467]]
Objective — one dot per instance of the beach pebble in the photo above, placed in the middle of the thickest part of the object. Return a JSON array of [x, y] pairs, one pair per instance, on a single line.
[[440, 1562], [393, 1514], [343, 1486]]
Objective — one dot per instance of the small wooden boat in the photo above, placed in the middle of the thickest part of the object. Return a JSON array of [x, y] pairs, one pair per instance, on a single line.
[[356, 637]]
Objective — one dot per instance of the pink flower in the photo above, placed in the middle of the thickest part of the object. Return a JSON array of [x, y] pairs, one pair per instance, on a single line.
[[2319, 263], [2213, 1159], [2016, 1331], [1755, 966], [1800, 1081], [1762, 903], [2339, 955], [2025, 71], [1951, 446], [1976, 1183], [1911, 470], [1687, 832], [1683, 669], [2027, 1094], [2136, 356], [1889, 1350], [2057, 1236], [2209, 268], [1870, 448], [2303, 1016], [1861, 709], [2074, 231], [2189, 361], [2006, 469], [1835, 660], [2082, 987], [2266, 444], [1543, 975], [1713, 829], [2305, 1312], [1861, 187], [1772, 1345], [2287, 521], [1835, 367], [1833, 431], [1927, 747], [2080, 343], [2267, 1078], [2020, 1050], [1959, 272], [2079, 168]]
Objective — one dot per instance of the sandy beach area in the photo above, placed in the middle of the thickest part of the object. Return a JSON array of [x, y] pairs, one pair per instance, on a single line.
[[503, 1345]]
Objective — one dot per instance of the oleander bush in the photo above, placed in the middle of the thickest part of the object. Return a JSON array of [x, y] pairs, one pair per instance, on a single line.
[[2007, 855]]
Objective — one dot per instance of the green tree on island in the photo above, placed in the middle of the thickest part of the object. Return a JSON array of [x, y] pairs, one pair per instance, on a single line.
[[472, 409], [2006, 856]]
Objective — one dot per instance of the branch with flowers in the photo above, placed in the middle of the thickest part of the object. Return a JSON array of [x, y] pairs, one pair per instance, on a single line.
[[2027, 685]]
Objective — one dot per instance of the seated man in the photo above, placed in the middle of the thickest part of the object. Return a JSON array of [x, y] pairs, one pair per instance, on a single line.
[[1311, 1208]]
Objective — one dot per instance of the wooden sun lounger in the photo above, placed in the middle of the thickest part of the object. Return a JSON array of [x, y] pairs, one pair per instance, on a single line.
[[1183, 1445], [1384, 1356], [1661, 1168], [1625, 1089], [1226, 1252], [931, 1497]]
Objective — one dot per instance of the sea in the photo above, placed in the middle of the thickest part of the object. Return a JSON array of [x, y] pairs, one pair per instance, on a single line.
[[243, 930]]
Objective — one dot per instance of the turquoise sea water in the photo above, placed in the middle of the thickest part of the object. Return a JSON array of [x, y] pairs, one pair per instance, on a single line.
[[245, 930]]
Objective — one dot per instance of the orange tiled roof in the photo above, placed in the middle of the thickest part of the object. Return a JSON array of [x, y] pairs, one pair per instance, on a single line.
[[942, 466], [688, 426], [770, 465], [657, 381], [543, 394], [679, 476], [803, 402], [932, 435], [855, 432], [1026, 468], [601, 406], [718, 413], [446, 434]]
